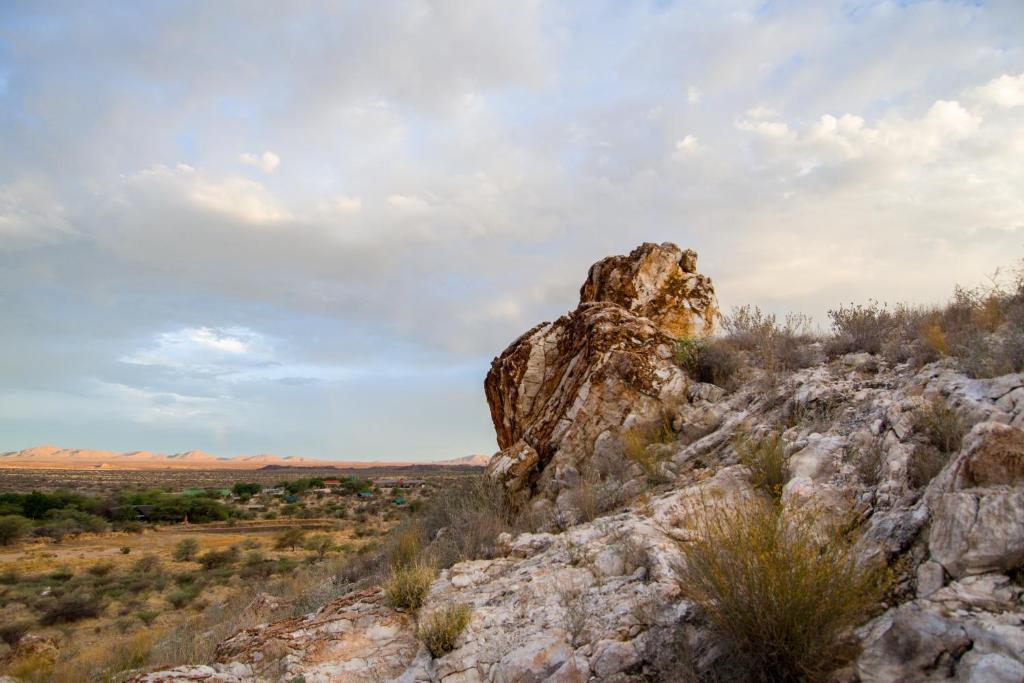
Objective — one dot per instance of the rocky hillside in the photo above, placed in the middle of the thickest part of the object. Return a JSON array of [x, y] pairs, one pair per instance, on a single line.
[[621, 463]]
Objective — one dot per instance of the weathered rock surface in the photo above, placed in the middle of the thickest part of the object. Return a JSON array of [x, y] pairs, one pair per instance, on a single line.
[[564, 390], [657, 282], [600, 600]]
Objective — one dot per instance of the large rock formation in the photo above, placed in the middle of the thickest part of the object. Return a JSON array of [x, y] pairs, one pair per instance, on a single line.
[[601, 599], [565, 390]]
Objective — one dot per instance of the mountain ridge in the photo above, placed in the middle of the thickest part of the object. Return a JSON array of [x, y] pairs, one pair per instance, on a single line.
[[52, 457]]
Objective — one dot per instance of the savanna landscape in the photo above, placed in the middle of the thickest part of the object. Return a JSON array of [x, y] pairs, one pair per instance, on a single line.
[[468, 341]]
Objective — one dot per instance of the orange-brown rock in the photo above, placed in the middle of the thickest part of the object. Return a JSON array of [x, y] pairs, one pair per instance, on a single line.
[[567, 388], [659, 282]]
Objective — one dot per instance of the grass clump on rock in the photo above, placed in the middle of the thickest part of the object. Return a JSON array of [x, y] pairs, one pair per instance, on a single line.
[[442, 627], [783, 594], [407, 586], [767, 458]]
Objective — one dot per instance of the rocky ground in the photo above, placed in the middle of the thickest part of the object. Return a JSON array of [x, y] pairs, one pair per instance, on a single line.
[[600, 599]]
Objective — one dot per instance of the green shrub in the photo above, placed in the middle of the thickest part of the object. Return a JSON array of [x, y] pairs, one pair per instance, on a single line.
[[71, 607], [439, 630], [767, 458], [61, 574], [186, 550], [13, 528], [147, 617], [290, 538], [321, 544], [782, 599], [215, 559], [183, 595], [407, 587]]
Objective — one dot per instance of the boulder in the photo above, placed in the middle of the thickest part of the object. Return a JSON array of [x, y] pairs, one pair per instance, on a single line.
[[978, 503], [659, 282], [562, 387]]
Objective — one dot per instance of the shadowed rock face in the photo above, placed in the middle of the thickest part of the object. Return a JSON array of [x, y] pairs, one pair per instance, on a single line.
[[563, 387]]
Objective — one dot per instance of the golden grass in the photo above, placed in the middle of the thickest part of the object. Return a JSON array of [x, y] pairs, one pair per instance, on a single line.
[[439, 630], [105, 659], [768, 460], [637, 439], [407, 587], [782, 595]]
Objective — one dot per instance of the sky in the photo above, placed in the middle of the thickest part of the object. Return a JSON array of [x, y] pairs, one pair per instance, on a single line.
[[307, 227]]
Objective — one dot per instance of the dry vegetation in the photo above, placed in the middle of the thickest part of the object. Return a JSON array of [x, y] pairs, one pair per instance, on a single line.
[[440, 629], [783, 597], [159, 594]]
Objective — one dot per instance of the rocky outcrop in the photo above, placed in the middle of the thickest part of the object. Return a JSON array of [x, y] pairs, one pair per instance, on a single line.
[[657, 282], [565, 390], [600, 600]]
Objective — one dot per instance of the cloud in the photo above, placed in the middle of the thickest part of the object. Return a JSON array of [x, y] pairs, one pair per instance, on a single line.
[[687, 145], [231, 196], [1005, 91], [31, 216], [210, 349], [268, 161], [452, 170]]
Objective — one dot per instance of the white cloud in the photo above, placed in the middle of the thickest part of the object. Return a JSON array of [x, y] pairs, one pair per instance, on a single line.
[[693, 95], [1005, 91], [767, 129], [268, 161], [205, 348], [240, 198], [687, 145]]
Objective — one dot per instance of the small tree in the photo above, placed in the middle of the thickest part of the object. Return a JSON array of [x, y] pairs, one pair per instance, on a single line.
[[186, 550], [321, 544], [291, 539], [13, 528]]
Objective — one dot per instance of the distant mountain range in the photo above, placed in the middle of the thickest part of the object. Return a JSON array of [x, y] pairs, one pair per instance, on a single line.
[[53, 457]]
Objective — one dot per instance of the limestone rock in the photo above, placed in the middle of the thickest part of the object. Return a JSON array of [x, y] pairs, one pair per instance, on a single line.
[[978, 504], [335, 643], [562, 387]]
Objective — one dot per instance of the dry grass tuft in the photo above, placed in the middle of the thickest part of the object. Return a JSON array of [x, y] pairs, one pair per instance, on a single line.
[[636, 442], [767, 457], [105, 660], [407, 587], [784, 599], [441, 628], [941, 425]]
